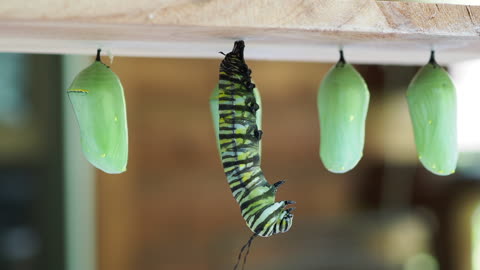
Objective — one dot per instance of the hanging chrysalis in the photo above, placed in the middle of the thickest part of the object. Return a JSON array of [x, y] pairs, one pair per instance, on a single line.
[[342, 102], [215, 115], [97, 98], [433, 109]]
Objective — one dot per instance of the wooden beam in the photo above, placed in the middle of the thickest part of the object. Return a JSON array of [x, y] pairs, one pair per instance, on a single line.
[[309, 30], [453, 2]]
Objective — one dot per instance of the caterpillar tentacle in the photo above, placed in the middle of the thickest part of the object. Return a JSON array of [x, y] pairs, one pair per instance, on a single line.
[[279, 183], [239, 139]]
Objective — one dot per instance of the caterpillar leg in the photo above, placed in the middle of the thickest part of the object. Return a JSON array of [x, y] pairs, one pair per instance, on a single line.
[[258, 134], [254, 107]]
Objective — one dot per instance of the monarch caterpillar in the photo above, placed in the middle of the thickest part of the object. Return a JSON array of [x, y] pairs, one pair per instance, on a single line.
[[97, 98], [239, 140], [215, 115], [433, 107], [342, 102]]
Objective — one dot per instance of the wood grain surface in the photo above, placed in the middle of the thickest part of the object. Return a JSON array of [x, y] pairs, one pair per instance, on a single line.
[[309, 30]]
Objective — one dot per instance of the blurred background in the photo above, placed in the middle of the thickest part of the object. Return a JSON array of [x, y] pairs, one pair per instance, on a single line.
[[173, 209]]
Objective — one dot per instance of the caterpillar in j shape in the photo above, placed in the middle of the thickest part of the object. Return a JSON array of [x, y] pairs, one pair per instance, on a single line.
[[239, 145]]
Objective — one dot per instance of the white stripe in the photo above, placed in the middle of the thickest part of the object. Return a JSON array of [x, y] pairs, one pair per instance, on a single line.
[[266, 213]]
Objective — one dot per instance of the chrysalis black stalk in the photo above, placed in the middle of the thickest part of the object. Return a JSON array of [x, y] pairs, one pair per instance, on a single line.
[[98, 55], [432, 60], [341, 62]]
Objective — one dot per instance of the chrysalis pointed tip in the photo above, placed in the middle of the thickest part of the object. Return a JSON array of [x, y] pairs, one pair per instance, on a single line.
[[342, 58], [341, 62], [432, 58]]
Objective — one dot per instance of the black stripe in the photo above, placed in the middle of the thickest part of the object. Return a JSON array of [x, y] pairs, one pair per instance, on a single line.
[[264, 222], [241, 108], [267, 231], [244, 184], [234, 155], [234, 136], [241, 115], [227, 128], [239, 162], [240, 172], [240, 176], [245, 204], [259, 184], [257, 213], [259, 175], [245, 147], [226, 99], [235, 120]]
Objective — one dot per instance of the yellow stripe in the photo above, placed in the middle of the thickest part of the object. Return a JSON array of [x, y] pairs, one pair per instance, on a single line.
[[78, 90]]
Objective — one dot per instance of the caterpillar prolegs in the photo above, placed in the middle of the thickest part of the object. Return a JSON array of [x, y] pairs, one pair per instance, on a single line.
[[239, 139]]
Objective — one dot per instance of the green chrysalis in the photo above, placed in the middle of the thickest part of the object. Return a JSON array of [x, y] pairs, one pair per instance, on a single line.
[[214, 111], [342, 102], [215, 116], [433, 109], [97, 98]]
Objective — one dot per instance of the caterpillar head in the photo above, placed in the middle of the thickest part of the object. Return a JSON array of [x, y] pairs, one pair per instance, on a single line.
[[279, 224]]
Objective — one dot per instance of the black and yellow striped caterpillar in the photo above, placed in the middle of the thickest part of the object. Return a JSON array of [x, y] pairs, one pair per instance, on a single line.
[[239, 139]]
